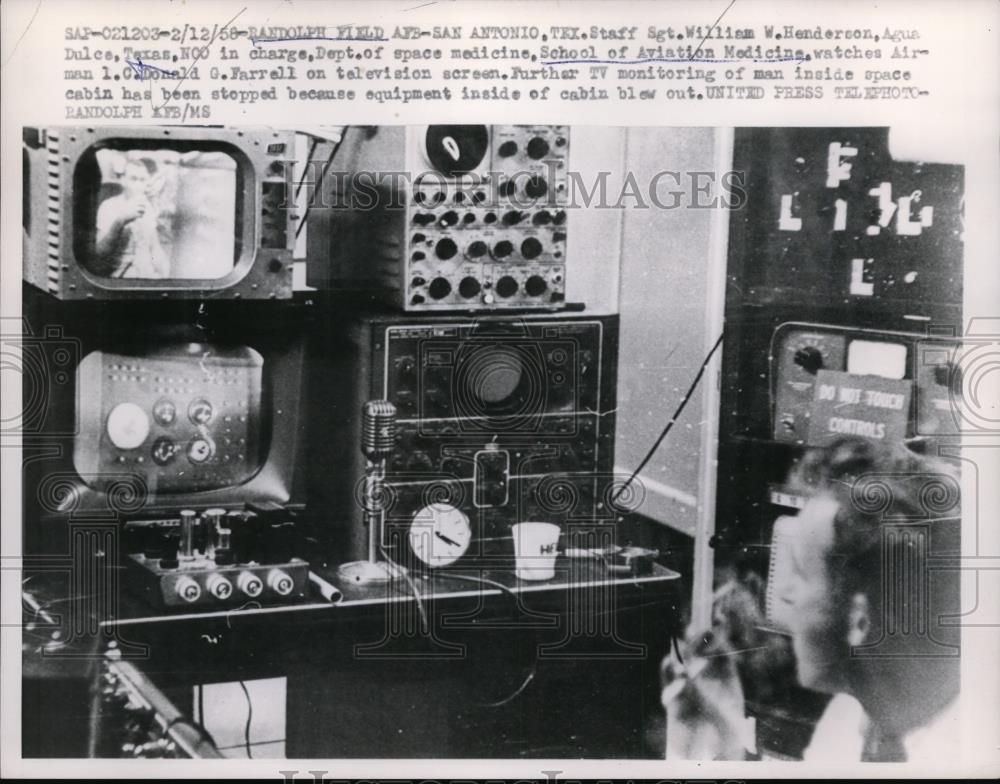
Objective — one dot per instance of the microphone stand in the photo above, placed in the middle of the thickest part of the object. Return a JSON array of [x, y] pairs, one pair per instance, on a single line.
[[373, 570]]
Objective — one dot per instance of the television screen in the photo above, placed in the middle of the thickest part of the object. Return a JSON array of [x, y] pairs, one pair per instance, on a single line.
[[159, 214]]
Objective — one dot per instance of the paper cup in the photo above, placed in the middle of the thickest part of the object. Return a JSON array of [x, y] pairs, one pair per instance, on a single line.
[[535, 546]]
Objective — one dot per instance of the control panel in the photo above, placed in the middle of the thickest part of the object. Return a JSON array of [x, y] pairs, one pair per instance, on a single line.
[[448, 217], [186, 417], [212, 559], [501, 421], [524, 379], [933, 366], [486, 221]]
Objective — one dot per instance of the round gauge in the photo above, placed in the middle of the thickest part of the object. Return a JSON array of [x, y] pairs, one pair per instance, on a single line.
[[127, 426], [439, 534], [456, 149], [200, 412], [200, 449], [164, 412], [164, 451]]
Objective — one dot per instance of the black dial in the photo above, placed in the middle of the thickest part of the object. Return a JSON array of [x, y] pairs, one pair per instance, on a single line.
[[456, 149], [810, 359]]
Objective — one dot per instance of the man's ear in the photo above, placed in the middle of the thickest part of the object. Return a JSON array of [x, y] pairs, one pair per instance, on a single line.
[[859, 622]]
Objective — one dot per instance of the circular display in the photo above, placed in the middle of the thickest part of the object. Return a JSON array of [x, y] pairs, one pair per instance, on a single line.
[[501, 383], [456, 149], [200, 412], [127, 426], [200, 450], [164, 451], [439, 534], [164, 412]]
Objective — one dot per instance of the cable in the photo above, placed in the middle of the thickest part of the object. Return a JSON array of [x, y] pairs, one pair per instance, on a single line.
[[673, 419], [413, 589], [246, 729], [515, 694], [313, 144], [326, 167]]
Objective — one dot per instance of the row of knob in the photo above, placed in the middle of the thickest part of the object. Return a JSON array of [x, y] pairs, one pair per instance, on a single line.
[[510, 218], [535, 187], [446, 248], [469, 287], [249, 584]]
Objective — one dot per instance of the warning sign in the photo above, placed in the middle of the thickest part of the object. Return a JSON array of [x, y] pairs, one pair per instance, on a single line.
[[867, 406]]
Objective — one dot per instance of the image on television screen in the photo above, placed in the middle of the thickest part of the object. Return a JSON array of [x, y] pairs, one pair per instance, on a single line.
[[161, 214]]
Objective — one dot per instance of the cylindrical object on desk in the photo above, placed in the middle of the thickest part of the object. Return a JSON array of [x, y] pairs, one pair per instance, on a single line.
[[211, 522], [188, 523]]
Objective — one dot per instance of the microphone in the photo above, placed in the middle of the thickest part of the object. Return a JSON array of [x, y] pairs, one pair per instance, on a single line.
[[378, 439], [378, 429]]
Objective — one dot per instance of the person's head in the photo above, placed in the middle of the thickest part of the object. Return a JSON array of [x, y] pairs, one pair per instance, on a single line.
[[857, 587], [137, 176]]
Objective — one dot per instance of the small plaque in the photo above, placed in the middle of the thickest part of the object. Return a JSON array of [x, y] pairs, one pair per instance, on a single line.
[[867, 406]]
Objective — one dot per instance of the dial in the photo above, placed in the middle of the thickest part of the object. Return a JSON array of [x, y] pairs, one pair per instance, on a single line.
[[200, 412], [200, 450], [164, 412], [439, 534], [456, 149]]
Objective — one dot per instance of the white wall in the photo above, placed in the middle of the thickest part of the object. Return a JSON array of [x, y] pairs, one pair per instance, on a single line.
[[665, 290]]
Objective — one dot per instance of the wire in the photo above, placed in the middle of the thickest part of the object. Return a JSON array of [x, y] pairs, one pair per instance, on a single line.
[[246, 729], [313, 144], [322, 175], [515, 694], [673, 419], [413, 589]]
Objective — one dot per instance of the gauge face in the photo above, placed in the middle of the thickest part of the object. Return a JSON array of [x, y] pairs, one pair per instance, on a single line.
[[127, 426], [456, 149], [439, 534]]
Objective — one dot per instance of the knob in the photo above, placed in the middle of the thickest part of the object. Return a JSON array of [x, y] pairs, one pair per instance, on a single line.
[[450, 218], [188, 590], [502, 249], [512, 218], [423, 218], [439, 288], [250, 584], [506, 286], [508, 188], [536, 187], [279, 582], [417, 282], [809, 358], [446, 248], [531, 248], [542, 218], [476, 249], [538, 148], [127, 426], [535, 286], [507, 149], [219, 587], [469, 287]]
